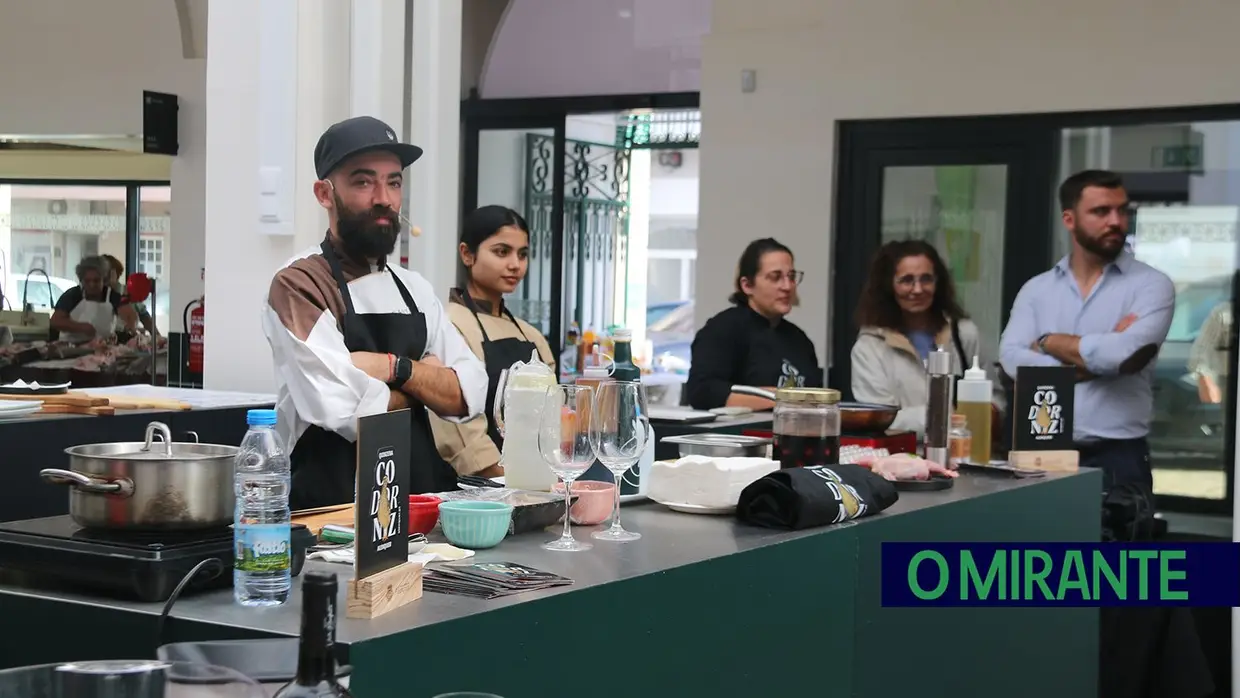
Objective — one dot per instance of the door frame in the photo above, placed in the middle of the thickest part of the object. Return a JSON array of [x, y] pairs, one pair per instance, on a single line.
[[855, 139], [867, 149], [479, 114]]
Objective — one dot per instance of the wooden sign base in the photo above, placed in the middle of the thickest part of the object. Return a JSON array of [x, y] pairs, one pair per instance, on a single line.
[[384, 591], [1050, 461]]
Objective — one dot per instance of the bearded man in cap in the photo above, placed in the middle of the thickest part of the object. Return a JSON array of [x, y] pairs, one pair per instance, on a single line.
[[352, 336]]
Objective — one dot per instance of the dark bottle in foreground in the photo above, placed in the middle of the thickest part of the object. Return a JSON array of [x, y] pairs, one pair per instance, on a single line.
[[316, 655]]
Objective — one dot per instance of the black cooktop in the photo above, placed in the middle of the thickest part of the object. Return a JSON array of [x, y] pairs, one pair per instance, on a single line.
[[143, 566]]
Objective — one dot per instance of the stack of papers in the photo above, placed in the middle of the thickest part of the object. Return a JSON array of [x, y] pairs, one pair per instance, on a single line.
[[489, 580]]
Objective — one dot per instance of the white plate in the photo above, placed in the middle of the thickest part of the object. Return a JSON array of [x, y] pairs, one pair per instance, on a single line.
[[698, 509], [20, 405], [15, 414]]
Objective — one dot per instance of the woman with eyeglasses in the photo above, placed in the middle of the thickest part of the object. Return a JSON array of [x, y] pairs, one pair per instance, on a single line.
[[753, 343], [908, 307]]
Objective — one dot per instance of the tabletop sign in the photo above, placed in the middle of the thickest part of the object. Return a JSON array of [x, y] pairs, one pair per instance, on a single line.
[[381, 528], [1042, 408]]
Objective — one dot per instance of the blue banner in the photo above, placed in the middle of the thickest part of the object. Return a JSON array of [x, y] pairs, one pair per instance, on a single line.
[[1061, 574]]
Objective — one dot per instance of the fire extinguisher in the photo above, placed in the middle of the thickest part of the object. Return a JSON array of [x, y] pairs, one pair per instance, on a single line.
[[194, 321]]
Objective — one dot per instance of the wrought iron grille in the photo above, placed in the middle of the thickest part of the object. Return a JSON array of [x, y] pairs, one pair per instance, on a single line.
[[596, 195]]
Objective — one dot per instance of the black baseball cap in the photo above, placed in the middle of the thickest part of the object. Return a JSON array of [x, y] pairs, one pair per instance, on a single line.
[[347, 138]]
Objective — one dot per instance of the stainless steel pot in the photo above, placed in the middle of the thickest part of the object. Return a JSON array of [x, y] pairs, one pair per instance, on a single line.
[[151, 485], [721, 445]]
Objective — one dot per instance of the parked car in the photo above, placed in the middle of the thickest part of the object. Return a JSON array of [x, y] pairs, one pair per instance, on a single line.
[[1186, 432], [670, 328], [41, 292]]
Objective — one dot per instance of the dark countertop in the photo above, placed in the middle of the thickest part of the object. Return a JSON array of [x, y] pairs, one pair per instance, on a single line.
[[670, 540]]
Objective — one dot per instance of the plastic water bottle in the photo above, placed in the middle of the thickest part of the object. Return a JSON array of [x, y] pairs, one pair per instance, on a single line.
[[262, 545]]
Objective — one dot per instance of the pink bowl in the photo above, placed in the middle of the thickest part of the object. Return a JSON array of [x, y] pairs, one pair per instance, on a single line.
[[595, 501]]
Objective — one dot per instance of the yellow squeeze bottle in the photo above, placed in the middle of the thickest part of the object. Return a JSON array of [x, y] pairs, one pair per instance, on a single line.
[[973, 394]]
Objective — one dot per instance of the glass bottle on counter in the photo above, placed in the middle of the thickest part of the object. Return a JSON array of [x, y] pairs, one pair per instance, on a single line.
[[316, 651], [806, 427], [960, 439]]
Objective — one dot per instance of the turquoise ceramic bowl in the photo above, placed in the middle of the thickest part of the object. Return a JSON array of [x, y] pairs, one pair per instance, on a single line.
[[475, 524]]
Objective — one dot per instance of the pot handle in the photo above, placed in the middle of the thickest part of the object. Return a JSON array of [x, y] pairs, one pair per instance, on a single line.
[[165, 434], [86, 483]]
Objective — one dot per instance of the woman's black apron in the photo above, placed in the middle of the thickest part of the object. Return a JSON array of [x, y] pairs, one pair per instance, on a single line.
[[324, 463], [498, 355]]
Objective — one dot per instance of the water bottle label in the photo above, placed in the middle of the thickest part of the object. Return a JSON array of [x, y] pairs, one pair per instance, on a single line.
[[262, 548]]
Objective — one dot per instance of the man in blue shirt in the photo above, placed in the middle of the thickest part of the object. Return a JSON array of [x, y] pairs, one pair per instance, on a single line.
[[1105, 313]]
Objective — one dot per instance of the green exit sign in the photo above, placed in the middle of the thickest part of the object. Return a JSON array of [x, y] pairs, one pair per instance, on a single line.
[[1177, 157]]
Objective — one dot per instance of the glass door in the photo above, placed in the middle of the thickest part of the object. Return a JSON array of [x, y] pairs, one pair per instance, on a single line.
[[978, 198], [520, 164]]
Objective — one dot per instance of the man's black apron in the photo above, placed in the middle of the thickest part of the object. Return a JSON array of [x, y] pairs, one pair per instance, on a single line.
[[498, 355], [324, 463]]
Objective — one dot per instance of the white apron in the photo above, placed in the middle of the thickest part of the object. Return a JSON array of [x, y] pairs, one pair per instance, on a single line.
[[99, 314]]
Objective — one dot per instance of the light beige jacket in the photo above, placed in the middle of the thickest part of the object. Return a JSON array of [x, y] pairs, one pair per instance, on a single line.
[[887, 370]]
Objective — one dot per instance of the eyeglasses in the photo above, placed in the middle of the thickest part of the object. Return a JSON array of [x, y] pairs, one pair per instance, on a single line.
[[793, 275], [910, 280]]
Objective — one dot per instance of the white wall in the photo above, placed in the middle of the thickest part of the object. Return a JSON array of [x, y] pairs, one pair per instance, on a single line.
[[768, 156]]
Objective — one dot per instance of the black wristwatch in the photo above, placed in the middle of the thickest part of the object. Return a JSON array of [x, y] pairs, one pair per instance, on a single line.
[[404, 371], [1042, 342]]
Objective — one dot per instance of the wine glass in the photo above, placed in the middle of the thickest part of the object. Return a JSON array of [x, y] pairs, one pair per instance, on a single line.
[[619, 431], [564, 442]]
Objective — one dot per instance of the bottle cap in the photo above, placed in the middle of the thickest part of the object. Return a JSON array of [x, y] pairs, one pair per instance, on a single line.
[[622, 334], [263, 418], [960, 420], [976, 373], [939, 363]]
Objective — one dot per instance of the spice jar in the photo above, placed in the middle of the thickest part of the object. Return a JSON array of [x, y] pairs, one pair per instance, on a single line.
[[807, 427], [961, 440]]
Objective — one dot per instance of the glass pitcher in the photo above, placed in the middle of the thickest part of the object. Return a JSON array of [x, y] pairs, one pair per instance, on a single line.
[[518, 407]]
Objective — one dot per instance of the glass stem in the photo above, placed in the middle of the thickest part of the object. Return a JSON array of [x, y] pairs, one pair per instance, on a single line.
[[568, 501], [615, 512]]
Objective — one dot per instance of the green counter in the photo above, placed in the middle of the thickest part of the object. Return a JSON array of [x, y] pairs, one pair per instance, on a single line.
[[701, 606]]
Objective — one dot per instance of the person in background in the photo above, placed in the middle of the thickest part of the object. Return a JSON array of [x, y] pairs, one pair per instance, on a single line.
[[1104, 313], [908, 307], [753, 343], [352, 336], [494, 249], [116, 272], [1207, 359], [89, 311]]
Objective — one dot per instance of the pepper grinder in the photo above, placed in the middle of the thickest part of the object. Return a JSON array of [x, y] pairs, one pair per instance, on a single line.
[[941, 383]]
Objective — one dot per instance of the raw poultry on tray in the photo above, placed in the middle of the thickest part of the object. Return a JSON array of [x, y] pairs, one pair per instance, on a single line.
[[95, 356]]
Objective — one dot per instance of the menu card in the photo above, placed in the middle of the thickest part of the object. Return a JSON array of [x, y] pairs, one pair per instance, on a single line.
[[1042, 408], [382, 507]]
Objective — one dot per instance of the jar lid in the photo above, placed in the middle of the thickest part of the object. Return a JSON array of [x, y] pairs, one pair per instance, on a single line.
[[819, 396]]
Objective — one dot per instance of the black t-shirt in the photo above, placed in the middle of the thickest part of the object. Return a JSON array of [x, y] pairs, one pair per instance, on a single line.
[[740, 347], [70, 299]]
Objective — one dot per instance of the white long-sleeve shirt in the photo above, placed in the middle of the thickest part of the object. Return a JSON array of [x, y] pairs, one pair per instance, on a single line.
[[316, 379]]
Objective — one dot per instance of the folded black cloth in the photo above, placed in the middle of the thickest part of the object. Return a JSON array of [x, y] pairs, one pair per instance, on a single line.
[[819, 495]]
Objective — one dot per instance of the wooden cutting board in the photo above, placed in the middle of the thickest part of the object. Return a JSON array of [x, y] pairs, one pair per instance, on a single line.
[[100, 411], [119, 402], [316, 519]]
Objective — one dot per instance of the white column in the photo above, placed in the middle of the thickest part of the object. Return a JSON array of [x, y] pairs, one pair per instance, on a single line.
[[323, 98], [240, 260], [434, 109], [377, 66]]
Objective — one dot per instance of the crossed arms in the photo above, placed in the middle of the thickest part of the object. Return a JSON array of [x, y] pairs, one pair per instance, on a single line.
[[1125, 349]]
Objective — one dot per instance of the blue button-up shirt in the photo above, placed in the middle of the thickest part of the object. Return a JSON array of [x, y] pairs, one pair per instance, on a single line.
[[1111, 406]]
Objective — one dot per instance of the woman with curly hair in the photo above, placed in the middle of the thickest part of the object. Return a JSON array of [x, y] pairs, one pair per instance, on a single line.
[[908, 308]]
